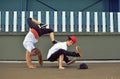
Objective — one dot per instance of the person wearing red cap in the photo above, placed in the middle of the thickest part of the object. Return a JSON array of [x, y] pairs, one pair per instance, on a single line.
[[59, 52]]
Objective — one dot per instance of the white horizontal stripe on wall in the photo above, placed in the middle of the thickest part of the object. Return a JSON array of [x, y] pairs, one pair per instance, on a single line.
[[31, 14], [15, 21], [7, 21], [96, 21], [103, 22], [66, 20], [63, 21], [23, 22], [0, 21], [111, 22], [118, 21], [55, 21], [80, 21], [47, 18], [39, 15], [88, 22], [71, 21]]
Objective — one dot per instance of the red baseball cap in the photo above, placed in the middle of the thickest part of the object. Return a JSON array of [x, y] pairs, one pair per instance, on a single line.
[[73, 38]]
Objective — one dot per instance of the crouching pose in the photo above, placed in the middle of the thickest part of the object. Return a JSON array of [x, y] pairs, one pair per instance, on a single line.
[[59, 52], [37, 29]]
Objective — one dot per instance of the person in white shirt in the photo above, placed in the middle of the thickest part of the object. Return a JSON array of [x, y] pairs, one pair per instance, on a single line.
[[59, 52], [37, 29]]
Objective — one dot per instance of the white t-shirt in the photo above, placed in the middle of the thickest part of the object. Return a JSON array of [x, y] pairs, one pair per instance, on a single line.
[[29, 41], [30, 37], [56, 47]]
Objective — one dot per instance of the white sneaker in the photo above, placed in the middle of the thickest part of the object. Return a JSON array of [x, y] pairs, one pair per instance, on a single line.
[[71, 61], [43, 25]]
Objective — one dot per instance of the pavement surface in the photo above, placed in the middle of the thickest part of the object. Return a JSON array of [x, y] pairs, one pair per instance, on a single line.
[[51, 71]]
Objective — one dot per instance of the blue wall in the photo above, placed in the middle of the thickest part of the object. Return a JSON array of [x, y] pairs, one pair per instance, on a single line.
[[112, 5], [50, 5], [60, 5], [62, 21]]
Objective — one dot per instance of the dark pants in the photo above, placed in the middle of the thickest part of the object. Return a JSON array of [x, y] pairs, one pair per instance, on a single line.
[[56, 55], [40, 31]]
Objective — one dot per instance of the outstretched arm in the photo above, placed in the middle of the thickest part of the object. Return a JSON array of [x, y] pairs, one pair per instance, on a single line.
[[60, 60], [29, 60]]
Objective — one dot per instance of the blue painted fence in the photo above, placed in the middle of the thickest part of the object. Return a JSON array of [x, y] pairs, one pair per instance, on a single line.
[[61, 21]]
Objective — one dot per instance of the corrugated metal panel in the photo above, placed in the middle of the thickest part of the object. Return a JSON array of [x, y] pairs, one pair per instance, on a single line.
[[61, 21]]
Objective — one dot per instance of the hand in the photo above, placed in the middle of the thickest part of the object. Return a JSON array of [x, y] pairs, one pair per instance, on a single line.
[[79, 50]]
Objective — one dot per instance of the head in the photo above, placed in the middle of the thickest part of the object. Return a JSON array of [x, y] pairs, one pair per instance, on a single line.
[[71, 40], [35, 52]]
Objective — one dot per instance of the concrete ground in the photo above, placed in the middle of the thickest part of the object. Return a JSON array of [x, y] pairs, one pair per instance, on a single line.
[[51, 71]]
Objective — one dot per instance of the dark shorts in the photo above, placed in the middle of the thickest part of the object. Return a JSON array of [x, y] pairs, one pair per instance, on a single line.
[[40, 31], [56, 55]]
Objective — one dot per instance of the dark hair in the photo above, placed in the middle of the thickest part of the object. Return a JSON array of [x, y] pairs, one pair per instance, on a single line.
[[73, 38]]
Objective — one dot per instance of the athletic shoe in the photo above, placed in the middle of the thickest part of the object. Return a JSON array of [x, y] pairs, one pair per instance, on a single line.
[[43, 25], [71, 61]]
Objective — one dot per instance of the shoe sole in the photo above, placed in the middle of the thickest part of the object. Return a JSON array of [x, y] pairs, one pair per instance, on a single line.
[[42, 26], [71, 62]]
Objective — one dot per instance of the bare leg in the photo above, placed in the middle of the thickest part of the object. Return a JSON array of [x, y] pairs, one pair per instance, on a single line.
[[29, 60], [35, 21], [60, 60], [52, 36]]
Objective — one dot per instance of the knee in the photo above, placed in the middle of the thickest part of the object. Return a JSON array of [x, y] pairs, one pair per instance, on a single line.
[[61, 51]]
